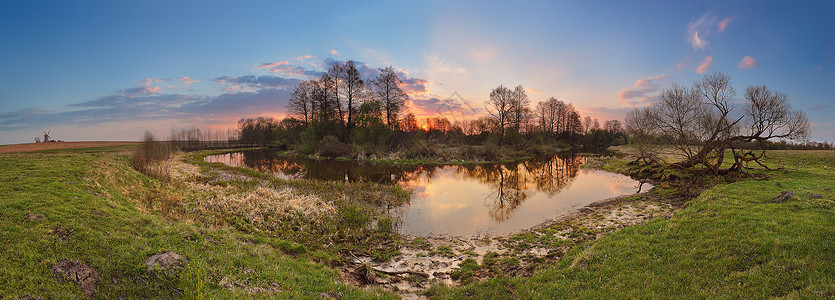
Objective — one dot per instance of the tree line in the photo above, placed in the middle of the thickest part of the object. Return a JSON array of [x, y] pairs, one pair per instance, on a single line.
[[341, 107]]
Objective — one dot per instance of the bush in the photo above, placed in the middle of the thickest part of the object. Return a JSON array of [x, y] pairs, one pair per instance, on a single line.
[[331, 147], [419, 149], [148, 156]]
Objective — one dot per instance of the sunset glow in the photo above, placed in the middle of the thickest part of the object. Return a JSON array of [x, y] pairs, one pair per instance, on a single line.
[[78, 68]]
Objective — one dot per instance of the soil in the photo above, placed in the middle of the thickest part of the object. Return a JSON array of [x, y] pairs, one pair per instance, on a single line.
[[28, 147], [78, 272]]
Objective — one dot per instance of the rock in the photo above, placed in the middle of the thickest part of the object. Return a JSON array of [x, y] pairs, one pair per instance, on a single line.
[[784, 195], [78, 272], [30, 297], [169, 262], [827, 189], [815, 196], [586, 210], [34, 217]]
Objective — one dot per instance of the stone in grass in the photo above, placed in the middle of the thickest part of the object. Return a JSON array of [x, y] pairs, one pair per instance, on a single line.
[[784, 195], [814, 196], [168, 262], [78, 272]]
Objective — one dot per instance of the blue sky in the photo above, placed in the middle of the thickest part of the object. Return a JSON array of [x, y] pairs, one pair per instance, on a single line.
[[108, 70]]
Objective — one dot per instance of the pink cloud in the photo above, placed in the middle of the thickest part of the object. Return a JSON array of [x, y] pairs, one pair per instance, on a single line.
[[533, 91], [648, 82], [747, 63], [334, 52], [680, 66], [706, 63], [642, 91], [188, 81], [724, 24], [282, 67]]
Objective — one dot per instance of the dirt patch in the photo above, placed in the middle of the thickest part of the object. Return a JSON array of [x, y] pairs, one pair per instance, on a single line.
[[34, 217], [79, 273], [28, 147], [62, 234]]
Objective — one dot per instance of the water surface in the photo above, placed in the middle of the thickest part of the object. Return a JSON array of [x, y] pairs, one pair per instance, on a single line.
[[462, 200]]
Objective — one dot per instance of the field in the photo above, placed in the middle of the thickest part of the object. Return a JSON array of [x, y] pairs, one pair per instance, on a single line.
[[89, 205], [29, 147]]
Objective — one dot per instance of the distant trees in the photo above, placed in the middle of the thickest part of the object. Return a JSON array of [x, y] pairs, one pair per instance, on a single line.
[[259, 131], [698, 122], [555, 117]]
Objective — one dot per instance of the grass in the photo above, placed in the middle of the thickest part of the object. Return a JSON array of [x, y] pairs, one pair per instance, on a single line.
[[99, 210], [730, 242]]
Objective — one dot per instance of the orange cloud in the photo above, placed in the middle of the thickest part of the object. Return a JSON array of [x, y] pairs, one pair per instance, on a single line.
[[533, 91], [724, 24], [747, 63], [706, 63], [334, 52], [680, 66]]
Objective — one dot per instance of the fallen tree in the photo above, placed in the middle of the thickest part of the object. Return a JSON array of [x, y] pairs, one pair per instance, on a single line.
[[700, 123]]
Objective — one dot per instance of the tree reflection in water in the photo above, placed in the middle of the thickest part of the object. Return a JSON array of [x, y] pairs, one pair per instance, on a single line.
[[510, 184]]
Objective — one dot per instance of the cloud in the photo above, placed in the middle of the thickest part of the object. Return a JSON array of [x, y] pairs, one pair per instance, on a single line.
[[700, 29], [724, 24], [701, 26], [334, 52], [413, 86], [680, 66], [642, 91], [120, 108], [747, 63], [818, 107], [188, 81], [533, 91], [258, 82], [705, 64]]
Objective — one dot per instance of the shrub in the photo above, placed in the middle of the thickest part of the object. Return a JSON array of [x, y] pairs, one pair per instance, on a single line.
[[148, 156], [331, 147]]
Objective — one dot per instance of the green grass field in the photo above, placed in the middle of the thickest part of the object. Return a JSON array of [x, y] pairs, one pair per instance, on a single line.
[[730, 242]]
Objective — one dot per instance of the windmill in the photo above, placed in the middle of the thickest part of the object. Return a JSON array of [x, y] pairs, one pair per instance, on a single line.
[[46, 136]]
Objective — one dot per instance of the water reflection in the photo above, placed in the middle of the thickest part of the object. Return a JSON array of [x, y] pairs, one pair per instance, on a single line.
[[462, 200]]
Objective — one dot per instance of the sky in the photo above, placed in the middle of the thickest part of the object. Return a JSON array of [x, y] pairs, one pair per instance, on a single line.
[[109, 70]]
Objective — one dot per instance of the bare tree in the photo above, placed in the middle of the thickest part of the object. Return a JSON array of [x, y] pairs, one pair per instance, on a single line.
[[586, 124], [388, 91], [697, 122], [301, 100], [520, 112], [501, 102], [354, 90]]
